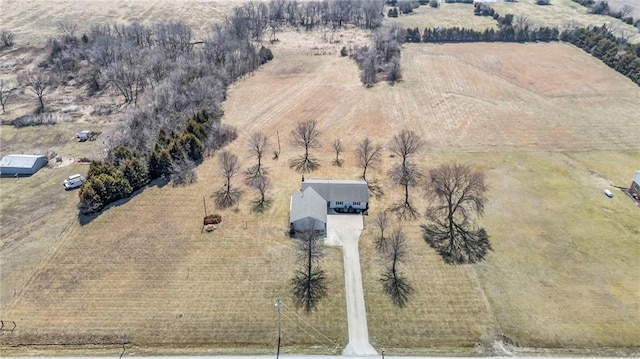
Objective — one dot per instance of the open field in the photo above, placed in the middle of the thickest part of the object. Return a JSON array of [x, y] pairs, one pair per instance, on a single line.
[[446, 15], [559, 14], [33, 22], [550, 125], [566, 12]]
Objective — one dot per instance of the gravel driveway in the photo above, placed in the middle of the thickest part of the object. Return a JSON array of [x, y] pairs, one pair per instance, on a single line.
[[344, 230]]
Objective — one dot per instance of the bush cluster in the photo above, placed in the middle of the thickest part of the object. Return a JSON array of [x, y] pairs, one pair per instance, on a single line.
[[50, 118], [111, 180]]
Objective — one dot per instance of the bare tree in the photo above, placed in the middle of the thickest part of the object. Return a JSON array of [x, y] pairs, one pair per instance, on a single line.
[[228, 167], [406, 176], [38, 82], [394, 72], [6, 92], [257, 146], [393, 282], [174, 38], [456, 194], [625, 12], [309, 282], [338, 148], [262, 185], [183, 171], [307, 136], [67, 29], [367, 155], [381, 220], [406, 144], [522, 23], [369, 67], [128, 74]]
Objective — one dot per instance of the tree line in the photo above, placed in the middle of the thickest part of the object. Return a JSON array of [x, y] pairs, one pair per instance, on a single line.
[[182, 83]]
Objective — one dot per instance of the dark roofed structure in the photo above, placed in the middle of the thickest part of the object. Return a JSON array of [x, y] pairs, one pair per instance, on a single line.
[[339, 190], [321, 196]]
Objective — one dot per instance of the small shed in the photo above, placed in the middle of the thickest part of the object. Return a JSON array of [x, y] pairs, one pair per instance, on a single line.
[[21, 165], [308, 209], [634, 189]]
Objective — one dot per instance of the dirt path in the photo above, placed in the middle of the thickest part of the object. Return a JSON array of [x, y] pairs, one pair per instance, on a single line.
[[345, 230]]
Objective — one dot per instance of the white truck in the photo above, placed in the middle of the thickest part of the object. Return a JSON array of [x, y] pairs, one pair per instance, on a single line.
[[86, 135], [73, 181]]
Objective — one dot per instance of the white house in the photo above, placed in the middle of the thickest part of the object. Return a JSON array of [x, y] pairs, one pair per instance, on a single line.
[[309, 206]]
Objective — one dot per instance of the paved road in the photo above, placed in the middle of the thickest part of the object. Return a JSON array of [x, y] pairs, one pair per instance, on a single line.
[[302, 356], [344, 230]]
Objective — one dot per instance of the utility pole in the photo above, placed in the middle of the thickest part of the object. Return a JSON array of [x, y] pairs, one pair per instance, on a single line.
[[278, 310]]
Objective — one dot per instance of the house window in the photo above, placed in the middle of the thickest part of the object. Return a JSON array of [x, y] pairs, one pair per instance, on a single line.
[[339, 203], [356, 203]]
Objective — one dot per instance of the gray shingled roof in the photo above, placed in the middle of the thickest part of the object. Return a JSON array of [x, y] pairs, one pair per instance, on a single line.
[[308, 203], [339, 190], [19, 161]]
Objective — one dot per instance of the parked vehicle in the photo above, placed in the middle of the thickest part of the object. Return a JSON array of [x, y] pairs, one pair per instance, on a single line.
[[86, 135], [73, 181]]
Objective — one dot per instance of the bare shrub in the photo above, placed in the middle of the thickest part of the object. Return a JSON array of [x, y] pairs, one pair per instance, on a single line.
[[7, 38], [337, 148], [262, 185], [183, 172], [6, 93], [212, 219], [50, 118]]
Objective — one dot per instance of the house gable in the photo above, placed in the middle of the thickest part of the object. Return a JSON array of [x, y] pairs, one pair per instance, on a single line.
[[305, 205]]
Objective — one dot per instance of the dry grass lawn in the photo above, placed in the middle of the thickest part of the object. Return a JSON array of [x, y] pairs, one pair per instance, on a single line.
[[549, 124]]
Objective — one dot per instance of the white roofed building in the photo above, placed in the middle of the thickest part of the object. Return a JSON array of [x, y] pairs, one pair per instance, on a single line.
[[21, 165]]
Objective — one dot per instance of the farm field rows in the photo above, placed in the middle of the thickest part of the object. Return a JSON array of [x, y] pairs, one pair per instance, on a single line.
[[549, 124]]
